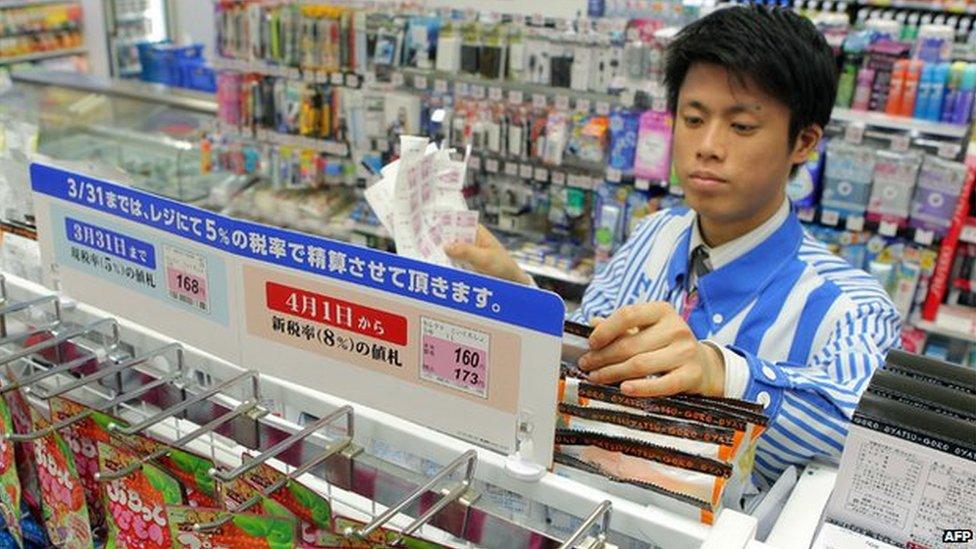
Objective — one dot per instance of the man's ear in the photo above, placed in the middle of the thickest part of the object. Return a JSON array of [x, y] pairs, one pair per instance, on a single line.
[[806, 143]]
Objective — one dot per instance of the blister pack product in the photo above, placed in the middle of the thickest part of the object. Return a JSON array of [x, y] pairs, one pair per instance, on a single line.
[[624, 127], [940, 183], [895, 175], [848, 173], [803, 188]]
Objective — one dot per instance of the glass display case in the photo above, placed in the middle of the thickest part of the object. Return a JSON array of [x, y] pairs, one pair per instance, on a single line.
[[146, 135]]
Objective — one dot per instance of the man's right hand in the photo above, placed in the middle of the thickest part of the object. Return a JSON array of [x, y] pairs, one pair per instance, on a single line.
[[489, 257]]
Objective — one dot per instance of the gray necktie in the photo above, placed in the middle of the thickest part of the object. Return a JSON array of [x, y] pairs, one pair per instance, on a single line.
[[698, 264]]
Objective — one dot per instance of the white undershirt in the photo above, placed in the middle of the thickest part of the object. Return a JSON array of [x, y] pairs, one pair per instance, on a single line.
[[736, 367]]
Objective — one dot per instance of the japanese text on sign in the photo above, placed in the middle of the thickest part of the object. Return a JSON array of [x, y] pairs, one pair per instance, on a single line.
[[364, 267]]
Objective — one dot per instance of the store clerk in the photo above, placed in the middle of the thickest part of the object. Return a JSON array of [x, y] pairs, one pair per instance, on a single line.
[[731, 297]]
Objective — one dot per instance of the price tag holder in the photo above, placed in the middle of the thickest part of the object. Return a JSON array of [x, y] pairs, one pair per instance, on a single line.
[[583, 105], [491, 165], [806, 214], [887, 228], [855, 223], [925, 238], [474, 162], [495, 93], [830, 217], [538, 20], [614, 175], [420, 82], [337, 79], [949, 150], [462, 88], [440, 85], [525, 171], [627, 98], [558, 178], [642, 184], [659, 104], [511, 169], [562, 102], [539, 101], [968, 234], [478, 92], [369, 78], [602, 108], [396, 79], [541, 174], [515, 97], [900, 142], [854, 132]]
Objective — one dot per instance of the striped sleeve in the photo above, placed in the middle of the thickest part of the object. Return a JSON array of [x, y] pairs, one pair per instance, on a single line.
[[810, 405]]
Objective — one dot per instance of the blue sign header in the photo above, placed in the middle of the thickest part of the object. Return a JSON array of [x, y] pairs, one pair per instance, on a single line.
[[459, 290]]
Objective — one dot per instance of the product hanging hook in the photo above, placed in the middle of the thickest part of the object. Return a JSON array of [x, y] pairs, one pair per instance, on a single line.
[[30, 304], [603, 510], [55, 342], [67, 422], [251, 375], [332, 449], [243, 408], [117, 369], [469, 458]]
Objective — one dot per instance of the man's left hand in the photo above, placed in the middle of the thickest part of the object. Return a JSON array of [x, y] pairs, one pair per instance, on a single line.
[[651, 339]]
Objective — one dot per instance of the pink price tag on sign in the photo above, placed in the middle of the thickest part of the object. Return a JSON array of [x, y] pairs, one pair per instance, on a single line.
[[454, 356], [455, 365], [186, 284]]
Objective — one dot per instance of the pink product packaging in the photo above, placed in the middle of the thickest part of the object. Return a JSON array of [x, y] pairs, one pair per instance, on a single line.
[[229, 98], [653, 158]]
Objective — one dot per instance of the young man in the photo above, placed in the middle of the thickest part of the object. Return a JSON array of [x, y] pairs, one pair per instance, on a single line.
[[731, 297]]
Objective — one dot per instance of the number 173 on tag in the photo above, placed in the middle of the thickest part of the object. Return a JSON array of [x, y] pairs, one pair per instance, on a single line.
[[454, 356]]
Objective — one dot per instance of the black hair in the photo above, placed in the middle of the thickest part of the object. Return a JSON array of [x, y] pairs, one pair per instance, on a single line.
[[776, 49]]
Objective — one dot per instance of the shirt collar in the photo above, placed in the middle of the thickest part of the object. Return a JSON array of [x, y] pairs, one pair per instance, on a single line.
[[730, 287], [720, 256]]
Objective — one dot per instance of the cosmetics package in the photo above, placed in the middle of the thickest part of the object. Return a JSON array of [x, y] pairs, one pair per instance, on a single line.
[[803, 188], [653, 155], [848, 172], [939, 183], [895, 175]]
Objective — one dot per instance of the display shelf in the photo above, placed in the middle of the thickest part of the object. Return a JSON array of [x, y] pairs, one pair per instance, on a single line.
[[39, 56], [901, 123], [31, 3], [940, 329], [326, 146], [948, 7], [835, 220], [553, 273], [337, 78], [32, 32]]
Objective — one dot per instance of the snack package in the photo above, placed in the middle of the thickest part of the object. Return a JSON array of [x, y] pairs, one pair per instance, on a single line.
[[313, 510], [136, 503], [191, 470], [62, 493], [83, 438], [10, 494], [242, 530]]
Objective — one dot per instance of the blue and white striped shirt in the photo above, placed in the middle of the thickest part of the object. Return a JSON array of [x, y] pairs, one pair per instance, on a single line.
[[810, 326]]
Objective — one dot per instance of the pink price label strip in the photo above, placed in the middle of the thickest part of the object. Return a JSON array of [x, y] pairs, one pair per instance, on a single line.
[[455, 365], [187, 285]]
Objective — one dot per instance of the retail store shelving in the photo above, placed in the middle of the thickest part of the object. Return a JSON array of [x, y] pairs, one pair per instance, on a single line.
[[32, 3], [900, 123], [42, 55], [950, 7], [937, 328]]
